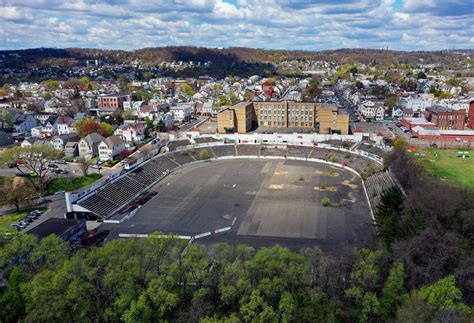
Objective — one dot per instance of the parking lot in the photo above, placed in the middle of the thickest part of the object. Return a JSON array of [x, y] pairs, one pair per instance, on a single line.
[[272, 201]]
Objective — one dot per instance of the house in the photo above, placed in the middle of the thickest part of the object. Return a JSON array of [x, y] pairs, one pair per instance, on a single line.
[[88, 146], [35, 141], [131, 132], [60, 141], [397, 113], [372, 111], [63, 125], [183, 112], [48, 128], [111, 147], [71, 150], [23, 123], [57, 105]]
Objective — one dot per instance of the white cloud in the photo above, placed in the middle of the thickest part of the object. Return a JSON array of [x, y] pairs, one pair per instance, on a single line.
[[294, 24]]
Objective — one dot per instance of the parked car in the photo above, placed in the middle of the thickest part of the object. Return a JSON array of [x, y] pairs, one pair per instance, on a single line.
[[36, 212], [60, 161], [53, 166], [22, 175]]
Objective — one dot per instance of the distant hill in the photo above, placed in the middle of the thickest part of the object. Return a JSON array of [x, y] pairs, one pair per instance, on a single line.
[[40, 57]]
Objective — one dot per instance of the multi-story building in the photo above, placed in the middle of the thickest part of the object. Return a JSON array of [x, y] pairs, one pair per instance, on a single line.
[[244, 116], [183, 112], [446, 119], [239, 118], [470, 122], [109, 104]]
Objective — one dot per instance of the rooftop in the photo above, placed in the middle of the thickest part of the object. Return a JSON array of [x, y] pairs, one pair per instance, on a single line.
[[54, 226]]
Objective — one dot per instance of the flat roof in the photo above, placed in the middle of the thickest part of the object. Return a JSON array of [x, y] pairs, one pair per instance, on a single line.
[[53, 226]]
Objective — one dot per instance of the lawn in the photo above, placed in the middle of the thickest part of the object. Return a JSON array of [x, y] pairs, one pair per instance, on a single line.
[[7, 219], [70, 183], [447, 166]]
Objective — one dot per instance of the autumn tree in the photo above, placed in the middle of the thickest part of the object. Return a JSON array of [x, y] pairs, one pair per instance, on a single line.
[[79, 125]]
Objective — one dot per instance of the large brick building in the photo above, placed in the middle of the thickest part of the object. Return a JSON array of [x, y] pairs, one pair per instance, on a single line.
[[245, 116], [446, 119], [109, 104], [470, 122]]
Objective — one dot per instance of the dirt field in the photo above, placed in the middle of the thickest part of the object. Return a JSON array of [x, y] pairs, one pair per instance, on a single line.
[[274, 201]]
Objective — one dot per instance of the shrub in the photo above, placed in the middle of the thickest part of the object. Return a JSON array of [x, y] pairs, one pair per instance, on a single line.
[[203, 154], [326, 201]]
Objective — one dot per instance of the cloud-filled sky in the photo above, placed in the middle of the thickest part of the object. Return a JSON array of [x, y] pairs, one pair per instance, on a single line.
[[272, 24]]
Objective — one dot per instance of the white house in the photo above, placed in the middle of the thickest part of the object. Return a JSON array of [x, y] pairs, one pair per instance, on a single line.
[[372, 110], [131, 132], [63, 125], [111, 147], [183, 112], [88, 146]]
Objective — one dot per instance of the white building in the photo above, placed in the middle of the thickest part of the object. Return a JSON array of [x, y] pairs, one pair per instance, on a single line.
[[372, 110], [183, 112], [131, 132], [111, 148]]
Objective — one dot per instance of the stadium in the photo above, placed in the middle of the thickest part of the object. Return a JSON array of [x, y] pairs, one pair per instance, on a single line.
[[205, 190]]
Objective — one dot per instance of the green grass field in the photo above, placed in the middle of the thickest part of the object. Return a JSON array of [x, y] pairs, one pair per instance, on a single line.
[[7, 219], [447, 166], [70, 183]]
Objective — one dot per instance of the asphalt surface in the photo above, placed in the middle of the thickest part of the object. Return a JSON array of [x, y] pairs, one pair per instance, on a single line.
[[269, 202]]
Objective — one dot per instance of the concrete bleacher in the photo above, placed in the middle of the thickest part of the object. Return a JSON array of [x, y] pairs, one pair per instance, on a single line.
[[375, 185], [225, 150], [196, 153], [248, 150], [273, 151], [182, 157], [173, 145], [206, 140], [299, 151]]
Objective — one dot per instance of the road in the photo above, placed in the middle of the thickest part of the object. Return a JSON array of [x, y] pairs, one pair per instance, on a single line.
[[74, 169], [192, 124]]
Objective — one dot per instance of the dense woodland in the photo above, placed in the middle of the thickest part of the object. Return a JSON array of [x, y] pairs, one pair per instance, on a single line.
[[44, 57], [421, 270]]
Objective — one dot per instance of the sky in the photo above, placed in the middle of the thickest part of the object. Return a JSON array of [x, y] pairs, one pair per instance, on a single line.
[[270, 24]]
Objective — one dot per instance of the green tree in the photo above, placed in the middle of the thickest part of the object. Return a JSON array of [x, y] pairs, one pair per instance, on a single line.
[[388, 215], [187, 89], [256, 309], [129, 114], [107, 129], [443, 295], [12, 303], [393, 292], [51, 85], [287, 307], [400, 144]]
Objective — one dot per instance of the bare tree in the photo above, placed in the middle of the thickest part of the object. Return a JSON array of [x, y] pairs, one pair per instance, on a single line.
[[34, 159], [84, 164]]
